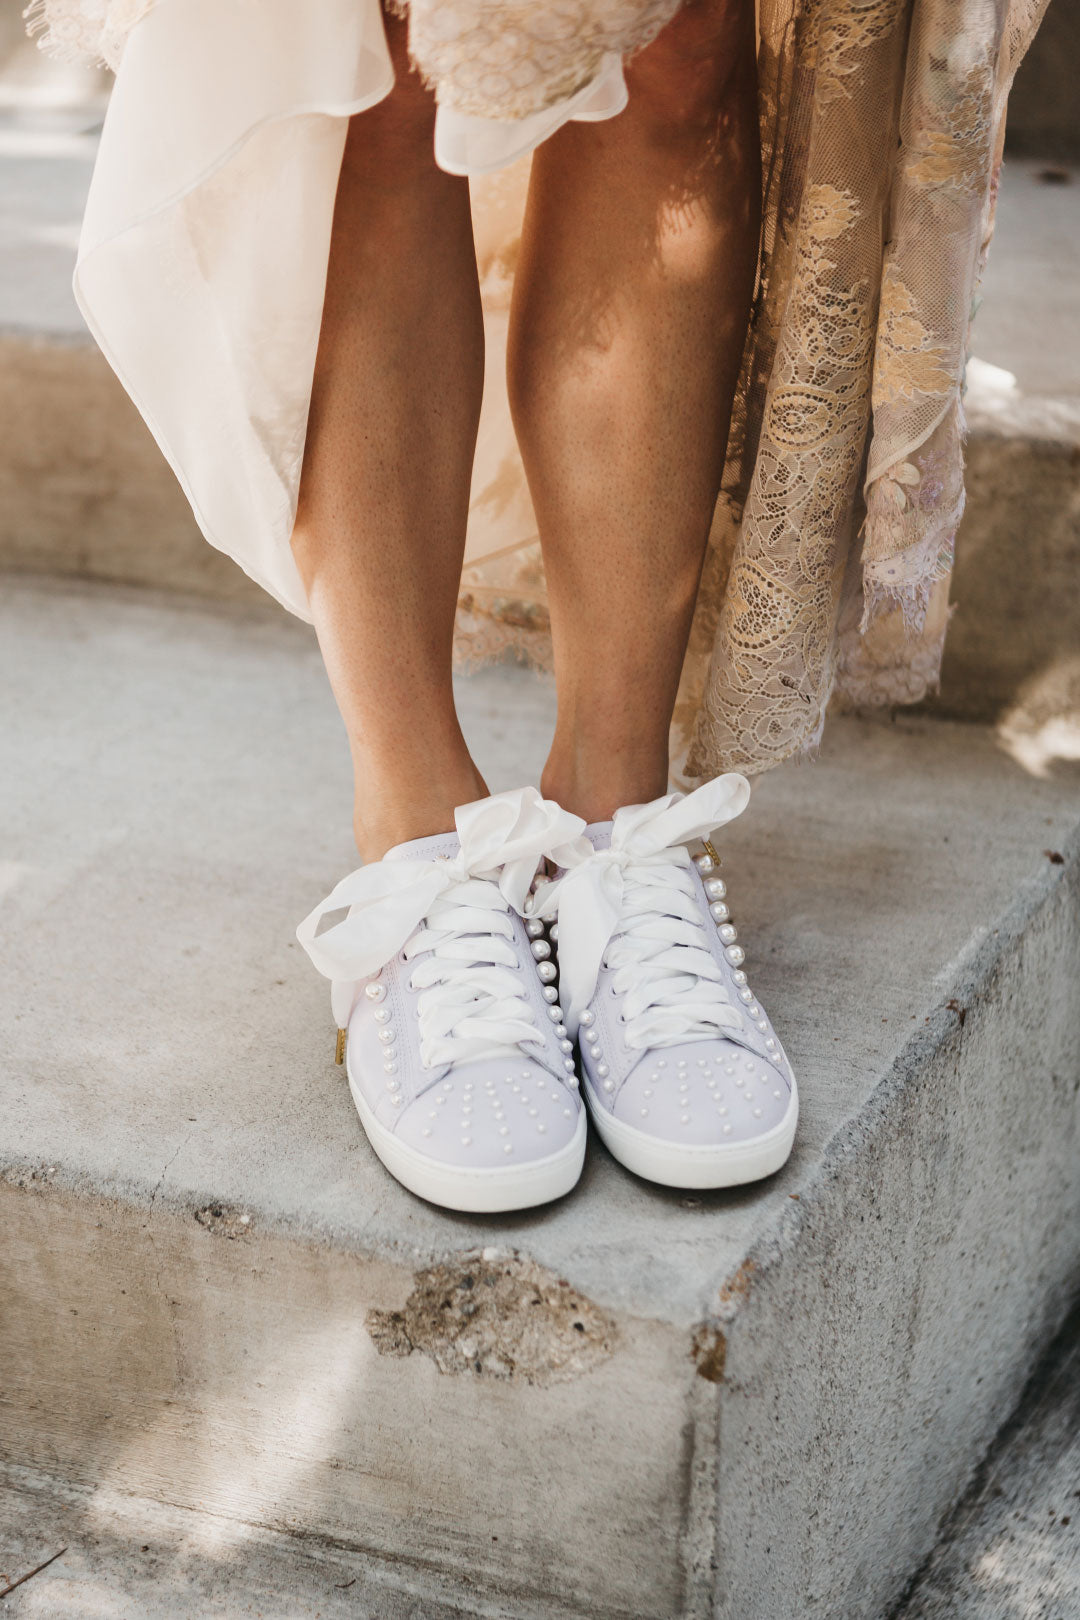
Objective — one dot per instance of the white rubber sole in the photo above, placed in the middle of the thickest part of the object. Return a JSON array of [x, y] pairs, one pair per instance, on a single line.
[[480, 1191], [698, 1166]]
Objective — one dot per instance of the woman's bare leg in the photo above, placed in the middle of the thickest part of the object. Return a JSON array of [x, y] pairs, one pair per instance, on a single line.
[[630, 308], [380, 531]]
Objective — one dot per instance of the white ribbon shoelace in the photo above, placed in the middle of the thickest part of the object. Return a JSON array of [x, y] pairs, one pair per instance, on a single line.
[[633, 907], [450, 918], [473, 1001]]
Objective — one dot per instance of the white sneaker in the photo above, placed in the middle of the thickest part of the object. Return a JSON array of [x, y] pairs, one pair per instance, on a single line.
[[685, 1079], [458, 1059]]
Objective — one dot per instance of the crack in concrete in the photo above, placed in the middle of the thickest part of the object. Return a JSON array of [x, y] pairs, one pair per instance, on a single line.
[[168, 1166]]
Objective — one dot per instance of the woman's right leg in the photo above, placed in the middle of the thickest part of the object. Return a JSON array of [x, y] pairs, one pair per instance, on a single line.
[[380, 528]]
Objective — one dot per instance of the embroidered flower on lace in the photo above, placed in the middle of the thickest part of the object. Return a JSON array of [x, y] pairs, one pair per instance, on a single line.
[[908, 362], [913, 513], [954, 147], [843, 37]]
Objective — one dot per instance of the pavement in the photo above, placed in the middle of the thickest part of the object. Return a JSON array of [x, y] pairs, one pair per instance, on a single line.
[[207, 1257]]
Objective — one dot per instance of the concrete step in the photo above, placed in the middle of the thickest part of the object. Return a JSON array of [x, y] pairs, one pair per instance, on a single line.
[[751, 1405], [85, 492], [1012, 1547], [1009, 1548], [1011, 653], [125, 1557]]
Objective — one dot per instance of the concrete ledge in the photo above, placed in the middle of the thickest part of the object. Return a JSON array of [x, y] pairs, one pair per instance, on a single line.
[[84, 490], [774, 1394], [898, 1310], [234, 1372], [1014, 637], [130, 1558]]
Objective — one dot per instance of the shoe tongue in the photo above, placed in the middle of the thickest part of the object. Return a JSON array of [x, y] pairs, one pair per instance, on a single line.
[[426, 849], [599, 834]]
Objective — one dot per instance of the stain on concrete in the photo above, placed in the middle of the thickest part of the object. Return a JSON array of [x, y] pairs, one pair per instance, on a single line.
[[735, 1291], [224, 1221], [708, 1349], [497, 1317]]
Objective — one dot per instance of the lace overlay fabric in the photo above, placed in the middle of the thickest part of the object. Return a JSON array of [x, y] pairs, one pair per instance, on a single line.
[[882, 126], [827, 570], [510, 58], [85, 30]]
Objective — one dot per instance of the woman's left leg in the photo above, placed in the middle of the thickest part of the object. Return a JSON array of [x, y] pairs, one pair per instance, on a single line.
[[630, 309]]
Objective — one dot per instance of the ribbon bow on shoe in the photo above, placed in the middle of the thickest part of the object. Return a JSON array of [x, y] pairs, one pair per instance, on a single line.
[[502, 839], [635, 903]]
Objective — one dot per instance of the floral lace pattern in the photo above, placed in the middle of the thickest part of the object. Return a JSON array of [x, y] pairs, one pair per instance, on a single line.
[[829, 556], [773, 648], [510, 58], [85, 30], [882, 126]]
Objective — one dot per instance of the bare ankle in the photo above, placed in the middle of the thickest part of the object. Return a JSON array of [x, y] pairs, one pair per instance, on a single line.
[[383, 818], [594, 783]]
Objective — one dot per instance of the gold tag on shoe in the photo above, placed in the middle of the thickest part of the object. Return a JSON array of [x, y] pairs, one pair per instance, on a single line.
[[339, 1048]]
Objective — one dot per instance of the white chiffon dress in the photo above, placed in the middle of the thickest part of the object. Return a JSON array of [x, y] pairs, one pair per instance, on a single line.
[[203, 259]]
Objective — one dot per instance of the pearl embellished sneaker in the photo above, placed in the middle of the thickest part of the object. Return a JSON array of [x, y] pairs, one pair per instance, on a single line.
[[686, 1081], [457, 1056]]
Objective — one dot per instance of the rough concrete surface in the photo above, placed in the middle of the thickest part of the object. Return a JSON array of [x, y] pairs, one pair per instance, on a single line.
[[241, 1378], [892, 1320], [795, 1379], [1011, 1550], [497, 1316], [129, 1558]]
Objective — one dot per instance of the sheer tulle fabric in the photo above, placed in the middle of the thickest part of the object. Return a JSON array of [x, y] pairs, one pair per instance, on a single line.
[[203, 264]]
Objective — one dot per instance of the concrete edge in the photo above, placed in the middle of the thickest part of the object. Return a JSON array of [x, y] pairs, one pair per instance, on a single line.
[[973, 970], [55, 338], [880, 1334]]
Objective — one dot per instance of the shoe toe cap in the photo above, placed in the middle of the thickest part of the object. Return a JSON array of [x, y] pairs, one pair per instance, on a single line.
[[492, 1115], [704, 1093]]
